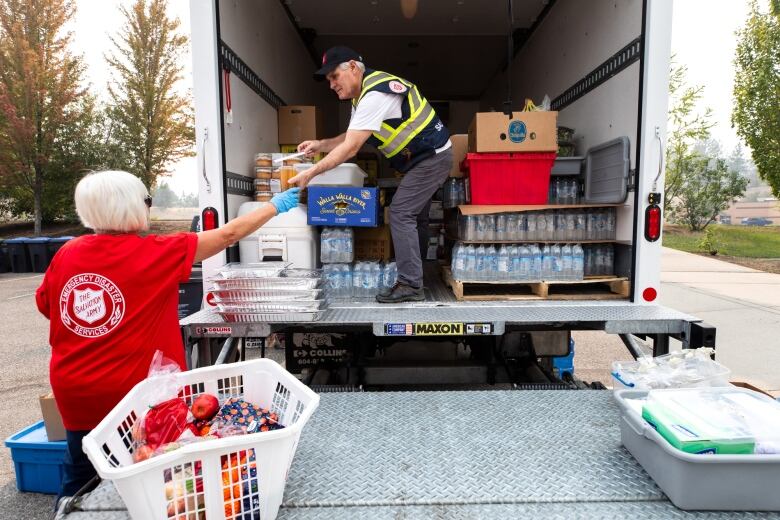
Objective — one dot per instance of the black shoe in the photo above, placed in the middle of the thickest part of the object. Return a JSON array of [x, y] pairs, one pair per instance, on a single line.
[[401, 293]]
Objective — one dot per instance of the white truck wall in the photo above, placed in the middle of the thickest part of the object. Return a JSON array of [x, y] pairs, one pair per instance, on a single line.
[[655, 105], [575, 38], [261, 34]]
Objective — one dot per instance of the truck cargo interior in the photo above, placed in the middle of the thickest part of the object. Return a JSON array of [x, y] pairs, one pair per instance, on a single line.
[[602, 67], [456, 52]]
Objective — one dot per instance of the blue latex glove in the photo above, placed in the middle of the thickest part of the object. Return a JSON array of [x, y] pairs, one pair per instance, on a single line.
[[286, 200]]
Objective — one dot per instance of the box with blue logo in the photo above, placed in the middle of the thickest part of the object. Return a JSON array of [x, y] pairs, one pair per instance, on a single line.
[[523, 132], [343, 206]]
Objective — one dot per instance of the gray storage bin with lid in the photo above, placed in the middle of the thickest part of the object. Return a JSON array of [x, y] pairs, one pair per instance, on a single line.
[[700, 482], [606, 172], [567, 166]]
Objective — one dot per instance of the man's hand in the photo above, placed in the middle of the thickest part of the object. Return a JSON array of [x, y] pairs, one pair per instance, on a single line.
[[310, 147], [301, 180]]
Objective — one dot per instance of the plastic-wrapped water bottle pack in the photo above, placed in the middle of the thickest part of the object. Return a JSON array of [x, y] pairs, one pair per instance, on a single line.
[[361, 280]]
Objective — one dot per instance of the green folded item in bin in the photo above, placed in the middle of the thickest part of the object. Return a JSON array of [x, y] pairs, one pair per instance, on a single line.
[[693, 426]]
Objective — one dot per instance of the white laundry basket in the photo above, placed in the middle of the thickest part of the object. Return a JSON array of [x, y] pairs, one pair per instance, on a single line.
[[232, 478]]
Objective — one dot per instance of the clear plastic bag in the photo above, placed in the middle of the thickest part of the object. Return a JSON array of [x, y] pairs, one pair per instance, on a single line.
[[683, 369], [168, 414]]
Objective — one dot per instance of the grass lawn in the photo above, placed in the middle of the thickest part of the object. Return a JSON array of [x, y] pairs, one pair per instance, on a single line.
[[747, 241], [756, 247]]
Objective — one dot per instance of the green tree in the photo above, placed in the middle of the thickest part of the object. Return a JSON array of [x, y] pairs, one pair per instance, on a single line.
[[164, 197], [151, 121], [757, 90], [41, 105], [686, 127], [708, 187], [188, 200]]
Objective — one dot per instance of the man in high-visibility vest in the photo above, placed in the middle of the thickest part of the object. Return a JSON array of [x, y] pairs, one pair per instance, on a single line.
[[391, 114]]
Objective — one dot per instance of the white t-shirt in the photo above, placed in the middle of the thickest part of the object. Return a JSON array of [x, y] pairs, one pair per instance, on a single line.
[[376, 107]]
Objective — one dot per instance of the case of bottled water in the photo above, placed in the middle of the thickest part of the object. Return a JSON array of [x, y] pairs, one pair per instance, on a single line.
[[453, 193], [337, 245]]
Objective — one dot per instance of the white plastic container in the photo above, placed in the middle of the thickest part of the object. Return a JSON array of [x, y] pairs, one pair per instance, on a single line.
[[143, 485], [345, 174], [701, 481], [285, 237]]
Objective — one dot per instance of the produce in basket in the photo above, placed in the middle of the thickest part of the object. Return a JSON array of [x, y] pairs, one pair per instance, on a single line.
[[165, 422], [205, 406]]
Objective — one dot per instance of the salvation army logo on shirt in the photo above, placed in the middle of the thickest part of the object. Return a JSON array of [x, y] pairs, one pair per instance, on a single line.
[[91, 305], [396, 86]]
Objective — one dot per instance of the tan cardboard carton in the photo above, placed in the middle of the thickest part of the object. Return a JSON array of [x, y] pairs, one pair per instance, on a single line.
[[298, 123], [460, 146], [523, 132], [373, 243], [52, 420]]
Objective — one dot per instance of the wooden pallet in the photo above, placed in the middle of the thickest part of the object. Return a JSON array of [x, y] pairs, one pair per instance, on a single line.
[[592, 288]]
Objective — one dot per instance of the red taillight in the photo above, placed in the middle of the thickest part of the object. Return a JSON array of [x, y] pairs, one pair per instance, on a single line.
[[209, 219], [649, 294], [210, 299], [653, 223]]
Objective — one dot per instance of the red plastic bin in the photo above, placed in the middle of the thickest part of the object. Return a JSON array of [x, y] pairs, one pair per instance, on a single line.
[[509, 178]]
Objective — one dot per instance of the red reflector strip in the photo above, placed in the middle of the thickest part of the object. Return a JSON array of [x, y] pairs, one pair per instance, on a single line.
[[653, 223]]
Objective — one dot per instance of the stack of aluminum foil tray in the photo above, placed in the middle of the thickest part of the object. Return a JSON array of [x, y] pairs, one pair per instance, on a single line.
[[267, 292]]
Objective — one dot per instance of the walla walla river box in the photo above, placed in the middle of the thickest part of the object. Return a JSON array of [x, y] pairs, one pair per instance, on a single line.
[[343, 206]]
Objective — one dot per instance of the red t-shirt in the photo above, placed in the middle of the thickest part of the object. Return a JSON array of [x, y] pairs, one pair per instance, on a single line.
[[111, 301]]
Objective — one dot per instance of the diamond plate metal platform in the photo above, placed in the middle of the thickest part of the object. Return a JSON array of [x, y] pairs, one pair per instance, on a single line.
[[461, 455], [611, 317]]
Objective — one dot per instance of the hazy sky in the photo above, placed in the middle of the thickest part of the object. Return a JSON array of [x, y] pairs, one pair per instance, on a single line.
[[702, 38]]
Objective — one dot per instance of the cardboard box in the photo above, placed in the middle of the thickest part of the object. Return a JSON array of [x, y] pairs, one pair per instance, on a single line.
[[374, 244], [299, 123], [369, 163], [460, 147], [343, 206], [52, 420], [751, 387], [524, 132]]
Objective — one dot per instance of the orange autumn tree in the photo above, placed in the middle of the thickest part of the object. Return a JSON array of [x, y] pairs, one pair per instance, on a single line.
[[41, 99]]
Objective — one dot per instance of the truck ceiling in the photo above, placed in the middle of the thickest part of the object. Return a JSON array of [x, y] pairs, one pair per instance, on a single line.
[[451, 48]]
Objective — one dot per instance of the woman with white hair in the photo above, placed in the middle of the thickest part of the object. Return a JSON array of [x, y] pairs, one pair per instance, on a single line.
[[112, 297]]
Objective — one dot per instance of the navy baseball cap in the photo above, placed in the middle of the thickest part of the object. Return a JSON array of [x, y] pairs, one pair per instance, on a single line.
[[333, 57]]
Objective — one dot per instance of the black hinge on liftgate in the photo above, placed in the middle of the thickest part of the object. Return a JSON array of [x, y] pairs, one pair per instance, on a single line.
[[701, 335]]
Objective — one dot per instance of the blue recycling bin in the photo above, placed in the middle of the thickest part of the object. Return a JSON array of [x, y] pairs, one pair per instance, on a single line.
[[17, 253], [55, 244], [5, 262], [38, 248]]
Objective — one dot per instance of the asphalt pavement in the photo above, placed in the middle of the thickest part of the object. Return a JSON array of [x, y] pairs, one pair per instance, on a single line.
[[744, 305]]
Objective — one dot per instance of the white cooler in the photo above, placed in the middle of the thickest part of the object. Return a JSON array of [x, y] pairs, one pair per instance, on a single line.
[[286, 237]]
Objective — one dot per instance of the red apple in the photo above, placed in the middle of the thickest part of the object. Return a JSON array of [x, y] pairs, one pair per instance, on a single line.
[[205, 407]]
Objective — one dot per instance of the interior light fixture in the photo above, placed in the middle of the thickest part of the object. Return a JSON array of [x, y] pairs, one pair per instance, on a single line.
[[409, 8]]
